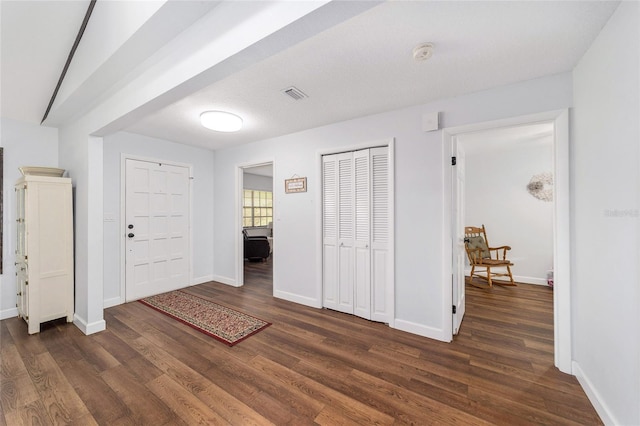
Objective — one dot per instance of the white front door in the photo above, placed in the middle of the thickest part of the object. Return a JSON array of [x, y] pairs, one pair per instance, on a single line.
[[156, 228], [459, 253]]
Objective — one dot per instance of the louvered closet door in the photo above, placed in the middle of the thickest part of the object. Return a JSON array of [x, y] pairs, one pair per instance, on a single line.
[[381, 281], [337, 223], [362, 255], [356, 233]]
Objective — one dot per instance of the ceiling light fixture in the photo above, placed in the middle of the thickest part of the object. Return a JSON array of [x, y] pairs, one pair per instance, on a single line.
[[423, 51], [221, 121]]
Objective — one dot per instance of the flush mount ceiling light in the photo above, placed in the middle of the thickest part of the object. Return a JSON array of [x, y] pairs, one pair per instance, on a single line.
[[221, 121], [423, 51]]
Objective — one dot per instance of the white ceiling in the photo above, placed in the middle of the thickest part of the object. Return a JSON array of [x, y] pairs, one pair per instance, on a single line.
[[361, 66], [35, 40]]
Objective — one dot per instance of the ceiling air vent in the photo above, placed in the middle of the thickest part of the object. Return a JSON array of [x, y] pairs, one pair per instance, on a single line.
[[295, 93]]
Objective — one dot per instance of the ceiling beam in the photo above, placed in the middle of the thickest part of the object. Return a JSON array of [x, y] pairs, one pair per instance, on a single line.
[[85, 21]]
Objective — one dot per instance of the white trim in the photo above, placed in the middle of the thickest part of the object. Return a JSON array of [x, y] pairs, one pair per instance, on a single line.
[[8, 313], [561, 220], [422, 330], [239, 266], [88, 329], [562, 244], [114, 301], [390, 144], [519, 278], [448, 141], [606, 415], [225, 280], [202, 280], [391, 289], [123, 183], [296, 298]]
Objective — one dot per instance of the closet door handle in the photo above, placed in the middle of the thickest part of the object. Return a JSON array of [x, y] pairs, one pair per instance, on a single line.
[[131, 235]]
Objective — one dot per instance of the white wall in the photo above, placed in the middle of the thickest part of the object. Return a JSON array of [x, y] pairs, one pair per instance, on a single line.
[[496, 195], [606, 182], [24, 144], [202, 203], [419, 195], [257, 182]]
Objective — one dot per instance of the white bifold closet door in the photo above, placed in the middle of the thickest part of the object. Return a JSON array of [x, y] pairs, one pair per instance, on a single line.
[[356, 233]]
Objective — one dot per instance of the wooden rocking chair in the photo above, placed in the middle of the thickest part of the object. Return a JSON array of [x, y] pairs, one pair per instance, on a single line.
[[486, 258]]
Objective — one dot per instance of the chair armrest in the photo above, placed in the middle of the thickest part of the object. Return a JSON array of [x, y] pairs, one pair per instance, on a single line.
[[504, 251], [500, 248]]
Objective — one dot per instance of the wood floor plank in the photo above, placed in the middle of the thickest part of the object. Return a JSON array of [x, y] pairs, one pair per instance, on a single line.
[[183, 403], [17, 390], [333, 402], [62, 403], [144, 407], [230, 408], [312, 366], [101, 400]]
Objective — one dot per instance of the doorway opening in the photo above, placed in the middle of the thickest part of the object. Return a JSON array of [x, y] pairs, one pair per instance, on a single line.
[[456, 139], [256, 217]]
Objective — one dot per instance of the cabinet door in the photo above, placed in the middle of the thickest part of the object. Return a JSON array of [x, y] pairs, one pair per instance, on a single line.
[[22, 301], [21, 230]]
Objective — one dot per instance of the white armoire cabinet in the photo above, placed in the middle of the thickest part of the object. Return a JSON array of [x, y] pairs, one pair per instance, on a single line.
[[356, 225], [44, 250]]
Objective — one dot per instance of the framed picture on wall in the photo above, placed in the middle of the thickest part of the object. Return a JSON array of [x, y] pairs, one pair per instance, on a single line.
[[295, 185]]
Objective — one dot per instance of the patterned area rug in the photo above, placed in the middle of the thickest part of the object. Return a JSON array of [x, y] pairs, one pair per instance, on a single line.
[[221, 323]]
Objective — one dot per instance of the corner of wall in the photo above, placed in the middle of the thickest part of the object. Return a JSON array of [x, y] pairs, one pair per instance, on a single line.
[[601, 408]]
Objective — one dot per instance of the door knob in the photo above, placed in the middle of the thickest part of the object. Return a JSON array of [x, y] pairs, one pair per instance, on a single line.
[[130, 226], [131, 235]]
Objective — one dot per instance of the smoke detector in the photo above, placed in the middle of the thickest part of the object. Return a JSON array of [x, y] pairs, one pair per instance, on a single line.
[[423, 51]]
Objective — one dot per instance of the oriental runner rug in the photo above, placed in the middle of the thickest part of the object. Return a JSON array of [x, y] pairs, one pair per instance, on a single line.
[[224, 324]]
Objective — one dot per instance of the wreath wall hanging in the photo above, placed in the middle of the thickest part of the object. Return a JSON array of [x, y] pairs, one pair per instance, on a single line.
[[541, 186]]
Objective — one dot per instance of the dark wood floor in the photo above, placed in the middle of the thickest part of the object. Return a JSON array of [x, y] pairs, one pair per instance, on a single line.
[[310, 367]]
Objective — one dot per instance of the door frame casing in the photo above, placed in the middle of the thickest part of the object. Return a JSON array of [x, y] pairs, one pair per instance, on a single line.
[[123, 215], [561, 226], [460, 303]]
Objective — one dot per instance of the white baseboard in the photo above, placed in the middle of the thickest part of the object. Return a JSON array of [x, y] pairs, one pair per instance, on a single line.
[[529, 280], [601, 408], [225, 280], [202, 280], [91, 328], [8, 313], [519, 279], [421, 330], [296, 298], [114, 301]]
